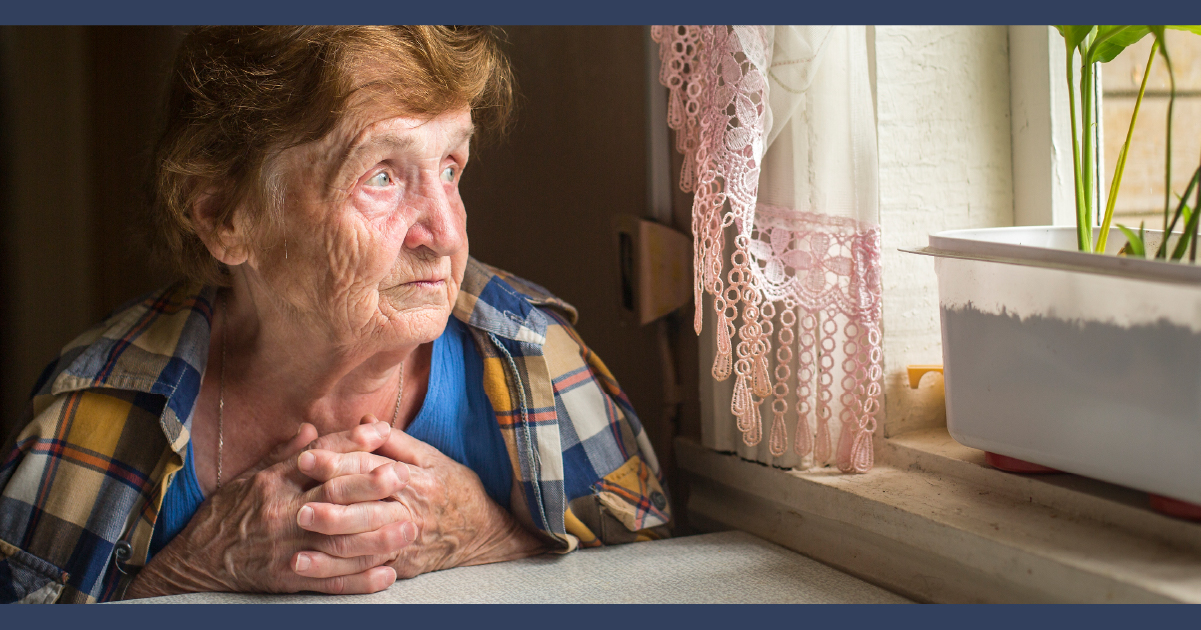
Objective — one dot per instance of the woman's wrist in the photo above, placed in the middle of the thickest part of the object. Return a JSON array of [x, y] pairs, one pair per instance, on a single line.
[[152, 581], [509, 541], [174, 570]]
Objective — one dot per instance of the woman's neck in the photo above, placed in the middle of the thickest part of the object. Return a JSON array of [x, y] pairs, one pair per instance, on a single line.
[[288, 373]]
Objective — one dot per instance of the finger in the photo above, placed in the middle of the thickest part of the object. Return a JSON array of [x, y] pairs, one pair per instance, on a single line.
[[314, 564], [322, 465], [287, 449], [331, 518], [384, 541], [370, 581], [363, 438], [402, 447], [380, 483]]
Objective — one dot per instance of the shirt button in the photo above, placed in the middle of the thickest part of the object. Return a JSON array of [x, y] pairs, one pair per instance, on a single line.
[[122, 551], [658, 499]]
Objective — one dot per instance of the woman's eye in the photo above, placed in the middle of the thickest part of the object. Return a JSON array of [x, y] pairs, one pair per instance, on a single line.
[[379, 179], [448, 175]]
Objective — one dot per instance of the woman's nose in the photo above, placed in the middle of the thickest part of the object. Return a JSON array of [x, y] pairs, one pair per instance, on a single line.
[[439, 223]]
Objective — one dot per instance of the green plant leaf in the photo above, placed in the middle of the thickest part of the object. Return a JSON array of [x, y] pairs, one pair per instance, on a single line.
[[1163, 245], [1112, 40], [1185, 238], [1192, 29], [1135, 247], [1073, 35]]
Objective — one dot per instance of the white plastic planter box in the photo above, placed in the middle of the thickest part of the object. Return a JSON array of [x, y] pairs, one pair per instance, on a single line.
[[1085, 363]]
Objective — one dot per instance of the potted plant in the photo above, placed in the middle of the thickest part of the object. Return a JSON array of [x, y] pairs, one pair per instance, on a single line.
[[1067, 348]]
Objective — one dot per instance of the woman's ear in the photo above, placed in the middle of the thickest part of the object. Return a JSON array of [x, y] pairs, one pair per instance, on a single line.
[[225, 237]]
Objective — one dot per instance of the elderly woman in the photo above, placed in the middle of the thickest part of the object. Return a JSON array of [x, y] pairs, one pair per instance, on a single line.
[[337, 395]]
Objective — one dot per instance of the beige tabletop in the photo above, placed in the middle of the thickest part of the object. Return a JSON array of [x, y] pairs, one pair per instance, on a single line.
[[727, 567]]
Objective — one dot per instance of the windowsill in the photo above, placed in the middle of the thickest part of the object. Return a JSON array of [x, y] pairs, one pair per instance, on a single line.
[[932, 522]]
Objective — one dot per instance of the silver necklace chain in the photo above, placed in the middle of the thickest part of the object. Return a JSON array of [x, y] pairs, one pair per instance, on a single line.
[[221, 398]]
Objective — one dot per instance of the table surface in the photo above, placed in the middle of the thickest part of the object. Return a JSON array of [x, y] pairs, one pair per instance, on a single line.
[[727, 567]]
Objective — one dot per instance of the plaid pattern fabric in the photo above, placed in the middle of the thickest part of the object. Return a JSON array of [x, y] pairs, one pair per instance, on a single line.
[[584, 471], [83, 481]]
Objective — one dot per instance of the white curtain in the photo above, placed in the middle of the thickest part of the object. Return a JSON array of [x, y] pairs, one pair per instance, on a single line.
[[778, 130]]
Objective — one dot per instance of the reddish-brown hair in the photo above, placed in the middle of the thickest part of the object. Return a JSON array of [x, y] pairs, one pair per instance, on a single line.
[[240, 95]]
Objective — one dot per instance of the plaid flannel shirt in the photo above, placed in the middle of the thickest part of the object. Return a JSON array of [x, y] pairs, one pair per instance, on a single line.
[[109, 422]]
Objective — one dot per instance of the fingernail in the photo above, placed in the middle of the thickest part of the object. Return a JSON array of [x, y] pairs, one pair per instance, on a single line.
[[299, 429], [305, 516], [306, 461], [409, 531], [303, 562], [383, 429], [402, 471]]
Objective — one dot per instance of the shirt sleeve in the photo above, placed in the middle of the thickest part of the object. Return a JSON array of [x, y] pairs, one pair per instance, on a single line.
[[78, 494], [613, 482]]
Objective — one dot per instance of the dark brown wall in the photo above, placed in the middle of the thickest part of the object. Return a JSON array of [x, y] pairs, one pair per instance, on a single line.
[[77, 115], [540, 204], [128, 68]]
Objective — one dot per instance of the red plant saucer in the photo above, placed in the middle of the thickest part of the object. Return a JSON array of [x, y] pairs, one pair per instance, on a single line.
[[1015, 465], [1175, 507]]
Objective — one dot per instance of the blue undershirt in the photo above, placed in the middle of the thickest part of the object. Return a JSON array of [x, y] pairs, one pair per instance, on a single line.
[[456, 418]]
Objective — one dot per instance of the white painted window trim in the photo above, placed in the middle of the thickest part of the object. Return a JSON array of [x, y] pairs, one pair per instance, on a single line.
[[1042, 134]]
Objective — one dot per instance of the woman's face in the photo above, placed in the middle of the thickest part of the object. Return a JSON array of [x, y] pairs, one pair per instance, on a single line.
[[376, 233]]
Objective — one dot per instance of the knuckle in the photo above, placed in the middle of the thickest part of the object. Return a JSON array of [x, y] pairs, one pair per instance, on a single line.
[[379, 515], [340, 546], [337, 585], [324, 463], [391, 538], [384, 481], [335, 491], [406, 571], [364, 435], [264, 483], [327, 516]]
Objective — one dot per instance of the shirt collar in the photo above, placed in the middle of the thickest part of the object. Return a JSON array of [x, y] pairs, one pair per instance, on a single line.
[[157, 346], [505, 305]]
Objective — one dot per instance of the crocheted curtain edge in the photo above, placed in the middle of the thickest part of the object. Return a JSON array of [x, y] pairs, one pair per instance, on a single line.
[[816, 277]]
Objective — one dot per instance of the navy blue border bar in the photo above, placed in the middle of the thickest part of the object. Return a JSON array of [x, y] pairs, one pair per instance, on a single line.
[[595, 11], [527, 617]]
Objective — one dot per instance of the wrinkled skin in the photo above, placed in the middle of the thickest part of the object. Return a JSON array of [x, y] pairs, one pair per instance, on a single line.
[[324, 313], [443, 498]]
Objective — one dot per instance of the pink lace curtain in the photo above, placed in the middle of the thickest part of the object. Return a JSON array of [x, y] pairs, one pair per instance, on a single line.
[[778, 131]]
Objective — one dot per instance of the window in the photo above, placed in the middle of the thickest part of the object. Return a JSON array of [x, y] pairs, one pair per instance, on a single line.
[[1141, 195], [973, 132]]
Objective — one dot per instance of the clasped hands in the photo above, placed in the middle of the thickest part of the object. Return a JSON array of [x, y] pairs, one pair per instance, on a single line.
[[348, 512]]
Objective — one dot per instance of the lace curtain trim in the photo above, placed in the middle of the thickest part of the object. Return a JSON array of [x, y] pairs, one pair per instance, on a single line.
[[796, 279]]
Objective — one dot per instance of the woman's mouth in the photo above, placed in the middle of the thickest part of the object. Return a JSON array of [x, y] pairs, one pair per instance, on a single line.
[[426, 284]]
